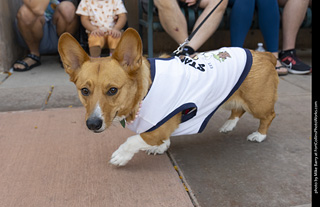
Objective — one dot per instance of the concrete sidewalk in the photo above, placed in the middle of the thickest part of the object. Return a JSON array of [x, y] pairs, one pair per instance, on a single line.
[[49, 158], [29, 90]]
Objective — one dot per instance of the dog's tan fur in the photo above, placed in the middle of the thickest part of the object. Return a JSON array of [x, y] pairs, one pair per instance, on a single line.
[[258, 92], [128, 71]]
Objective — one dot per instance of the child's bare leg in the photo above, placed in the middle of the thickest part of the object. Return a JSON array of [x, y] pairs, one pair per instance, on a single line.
[[95, 51], [112, 43], [111, 51], [96, 43]]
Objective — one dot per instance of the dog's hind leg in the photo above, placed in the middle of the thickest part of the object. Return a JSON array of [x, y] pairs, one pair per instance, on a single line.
[[231, 123], [261, 134]]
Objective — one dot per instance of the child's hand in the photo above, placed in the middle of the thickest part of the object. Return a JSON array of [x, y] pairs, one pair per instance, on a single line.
[[114, 33], [97, 32], [115, 18]]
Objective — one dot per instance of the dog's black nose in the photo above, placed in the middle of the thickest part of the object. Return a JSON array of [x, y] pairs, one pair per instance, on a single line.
[[94, 123]]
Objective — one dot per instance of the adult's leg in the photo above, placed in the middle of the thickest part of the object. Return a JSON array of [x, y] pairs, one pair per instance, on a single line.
[[240, 20], [172, 19], [293, 14], [30, 25], [211, 24], [65, 18], [269, 23]]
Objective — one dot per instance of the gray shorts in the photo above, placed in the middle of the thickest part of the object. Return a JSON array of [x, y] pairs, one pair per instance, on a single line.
[[49, 41]]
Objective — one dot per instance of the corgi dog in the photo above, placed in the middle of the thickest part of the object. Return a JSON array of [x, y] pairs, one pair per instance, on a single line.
[[162, 97]]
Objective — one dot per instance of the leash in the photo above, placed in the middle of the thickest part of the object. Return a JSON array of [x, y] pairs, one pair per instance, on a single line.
[[181, 46]]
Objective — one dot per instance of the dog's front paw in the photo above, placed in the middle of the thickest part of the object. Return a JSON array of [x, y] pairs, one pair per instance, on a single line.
[[256, 137], [126, 151], [121, 157], [159, 149], [229, 125]]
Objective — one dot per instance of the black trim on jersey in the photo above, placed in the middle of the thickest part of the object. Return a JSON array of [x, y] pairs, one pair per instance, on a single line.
[[152, 62], [173, 113]]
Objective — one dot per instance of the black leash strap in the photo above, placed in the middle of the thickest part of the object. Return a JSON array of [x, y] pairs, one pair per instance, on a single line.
[[181, 46]]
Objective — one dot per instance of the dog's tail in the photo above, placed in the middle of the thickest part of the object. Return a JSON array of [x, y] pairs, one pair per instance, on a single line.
[[164, 55]]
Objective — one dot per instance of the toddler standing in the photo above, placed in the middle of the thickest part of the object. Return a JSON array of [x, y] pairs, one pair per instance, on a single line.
[[103, 20]]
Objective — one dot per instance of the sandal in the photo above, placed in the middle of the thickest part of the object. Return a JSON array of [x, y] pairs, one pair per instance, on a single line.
[[282, 72], [28, 67]]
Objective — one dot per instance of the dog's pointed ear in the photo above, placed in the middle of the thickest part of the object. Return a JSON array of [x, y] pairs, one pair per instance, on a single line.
[[72, 55], [129, 51]]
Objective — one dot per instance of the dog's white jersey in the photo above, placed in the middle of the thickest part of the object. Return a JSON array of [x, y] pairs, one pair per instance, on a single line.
[[196, 86]]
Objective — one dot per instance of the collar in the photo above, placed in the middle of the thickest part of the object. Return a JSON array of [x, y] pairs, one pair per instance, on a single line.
[[124, 121]]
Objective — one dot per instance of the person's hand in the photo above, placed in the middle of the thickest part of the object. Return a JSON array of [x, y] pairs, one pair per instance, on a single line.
[[189, 2], [115, 18], [114, 33], [97, 32]]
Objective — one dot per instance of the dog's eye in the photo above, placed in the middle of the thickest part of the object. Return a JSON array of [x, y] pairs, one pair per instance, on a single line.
[[112, 91], [85, 91]]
